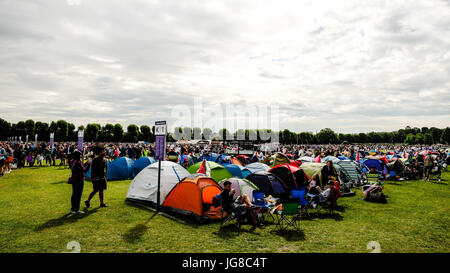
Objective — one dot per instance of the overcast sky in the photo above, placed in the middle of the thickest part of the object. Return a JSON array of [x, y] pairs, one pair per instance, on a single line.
[[353, 66]]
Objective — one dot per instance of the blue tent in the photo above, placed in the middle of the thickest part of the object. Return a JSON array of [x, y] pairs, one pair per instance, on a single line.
[[213, 157], [88, 173], [121, 168], [375, 163], [343, 158], [141, 163], [235, 170]]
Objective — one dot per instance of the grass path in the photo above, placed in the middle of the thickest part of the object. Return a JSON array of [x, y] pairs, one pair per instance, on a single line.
[[34, 203]]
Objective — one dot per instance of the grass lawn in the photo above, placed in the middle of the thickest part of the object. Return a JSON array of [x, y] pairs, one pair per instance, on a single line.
[[34, 206]]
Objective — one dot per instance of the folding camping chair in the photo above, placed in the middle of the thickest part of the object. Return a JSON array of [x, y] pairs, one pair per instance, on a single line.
[[289, 216], [299, 193], [262, 207], [236, 213]]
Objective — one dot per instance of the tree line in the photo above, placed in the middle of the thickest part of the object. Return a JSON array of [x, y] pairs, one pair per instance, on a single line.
[[65, 131]]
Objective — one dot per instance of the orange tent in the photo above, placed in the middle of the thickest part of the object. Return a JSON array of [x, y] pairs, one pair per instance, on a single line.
[[192, 197]]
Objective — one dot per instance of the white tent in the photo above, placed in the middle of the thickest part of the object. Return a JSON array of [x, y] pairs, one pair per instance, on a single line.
[[306, 159], [256, 167], [144, 186]]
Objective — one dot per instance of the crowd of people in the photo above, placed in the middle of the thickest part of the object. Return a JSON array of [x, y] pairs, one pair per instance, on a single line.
[[420, 162], [19, 155]]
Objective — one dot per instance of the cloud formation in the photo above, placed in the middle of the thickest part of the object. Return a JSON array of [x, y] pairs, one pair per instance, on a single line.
[[349, 65]]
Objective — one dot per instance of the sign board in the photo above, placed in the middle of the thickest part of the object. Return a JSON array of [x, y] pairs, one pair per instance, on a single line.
[[80, 140], [52, 137], [160, 142]]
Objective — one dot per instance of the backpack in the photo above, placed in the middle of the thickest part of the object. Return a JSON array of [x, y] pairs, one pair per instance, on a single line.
[[217, 200]]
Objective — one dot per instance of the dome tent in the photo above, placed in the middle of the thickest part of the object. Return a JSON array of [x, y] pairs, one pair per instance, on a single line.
[[192, 197], [218, 172], [270, 184], [144, 186], [257, 167], [236, 170], [241, 186], [141, 163], [119, 169]]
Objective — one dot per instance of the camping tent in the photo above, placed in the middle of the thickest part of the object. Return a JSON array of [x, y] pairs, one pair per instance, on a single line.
[[280, 158], [243, 159], [306, 159], [311, 169], [192, 197], [214, 157], [241, 186], [88, 173], [257, 167], [333, 159], [375, 163], [190, 159], [121, 168], [270, 184], [292, 176], [141, 163], [144, 186], [218, 172], [236, 170]]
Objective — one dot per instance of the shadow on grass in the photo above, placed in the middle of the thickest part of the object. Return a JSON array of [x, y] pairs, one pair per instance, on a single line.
[[291, 235], [175, 217], [230, 230], [65, 219], [60, 182]]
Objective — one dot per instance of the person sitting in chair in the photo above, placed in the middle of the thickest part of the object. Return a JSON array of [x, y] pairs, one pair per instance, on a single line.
[[242, 202]]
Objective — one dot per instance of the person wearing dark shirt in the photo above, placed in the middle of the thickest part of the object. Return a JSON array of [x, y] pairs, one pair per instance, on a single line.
[[228, 202], [98, 172], [77, 181], [327, 172]]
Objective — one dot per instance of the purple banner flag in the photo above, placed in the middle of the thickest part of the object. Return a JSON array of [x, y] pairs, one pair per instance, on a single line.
[[52, 137], [160, 143], [80, 140]]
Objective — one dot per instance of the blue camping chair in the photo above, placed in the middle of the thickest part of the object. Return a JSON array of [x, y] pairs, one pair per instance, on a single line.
[[262, 206], [299, 193]]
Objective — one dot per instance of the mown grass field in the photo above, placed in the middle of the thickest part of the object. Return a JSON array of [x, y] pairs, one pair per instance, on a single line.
[[34, 206]]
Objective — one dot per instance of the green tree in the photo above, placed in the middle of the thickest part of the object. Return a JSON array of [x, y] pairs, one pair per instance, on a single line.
[[428, 139], [62, 129], [445, 137], [92, 132], [107, 133], [132, 134], [118, 132], [30, 129], [43, 131], [72, 134], [5, 129], [327, 136], [146, 133], [410, 139], [419, 138]]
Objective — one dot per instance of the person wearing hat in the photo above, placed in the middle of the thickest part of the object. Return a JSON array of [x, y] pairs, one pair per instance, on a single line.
[[77, 181]]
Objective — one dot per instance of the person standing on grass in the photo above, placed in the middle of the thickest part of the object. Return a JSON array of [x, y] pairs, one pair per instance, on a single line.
[[98, 171], [2, 159], [77, 181], [428, 164]]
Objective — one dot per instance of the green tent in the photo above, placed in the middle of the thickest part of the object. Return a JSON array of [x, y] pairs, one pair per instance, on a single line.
[[218, 172], [311, 168]]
